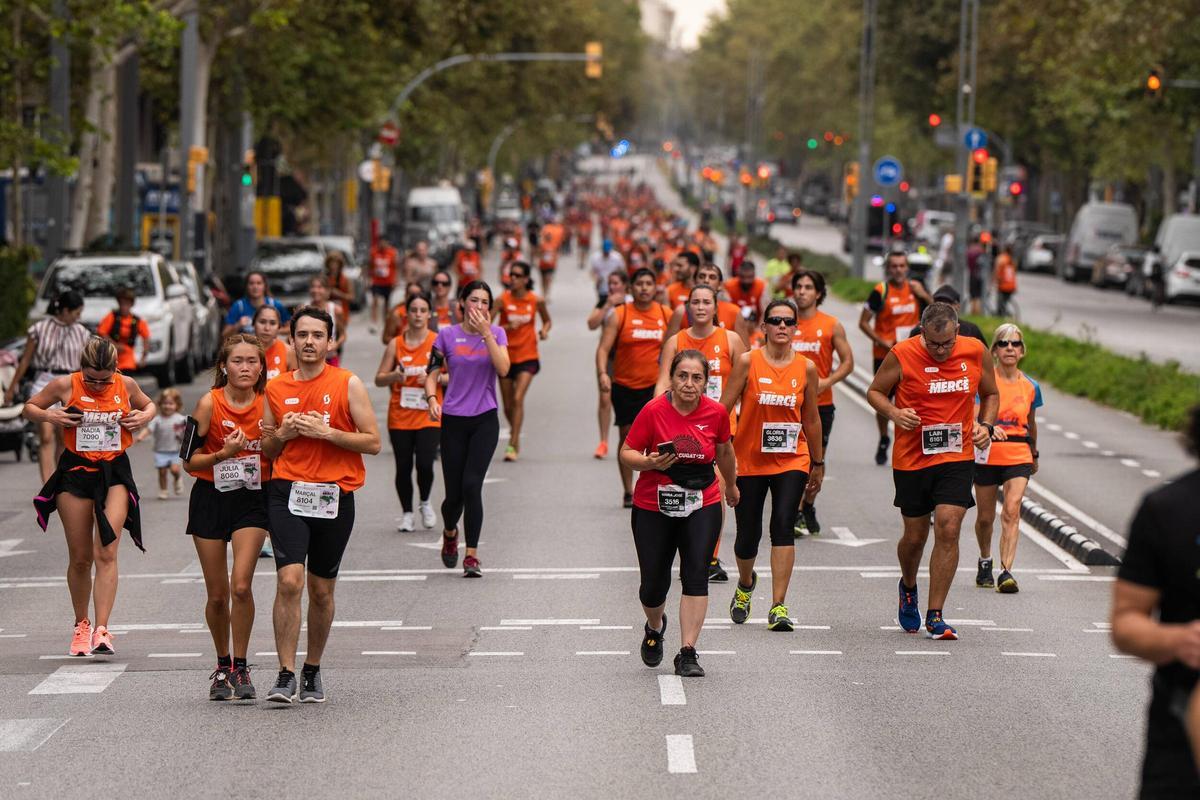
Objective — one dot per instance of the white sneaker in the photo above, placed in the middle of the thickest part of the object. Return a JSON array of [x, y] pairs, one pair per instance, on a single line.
[[406, 522], [427, 516]]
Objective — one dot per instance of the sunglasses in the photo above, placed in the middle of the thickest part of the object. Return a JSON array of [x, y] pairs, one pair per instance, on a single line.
[[788, 321], [99, 381], [441, 283], [1009, 343]]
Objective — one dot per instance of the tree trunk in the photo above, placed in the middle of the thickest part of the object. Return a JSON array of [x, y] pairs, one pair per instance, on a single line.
[[106, 158], [204, 59], [1170, 190], [81, 201], [18, 223]]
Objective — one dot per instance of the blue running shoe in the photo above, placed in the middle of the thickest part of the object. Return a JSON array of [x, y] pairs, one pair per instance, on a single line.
[[909, 615], [936, 627]]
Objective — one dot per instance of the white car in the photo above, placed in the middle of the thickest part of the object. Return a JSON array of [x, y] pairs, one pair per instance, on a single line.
[[1182, 278], [161, 299]]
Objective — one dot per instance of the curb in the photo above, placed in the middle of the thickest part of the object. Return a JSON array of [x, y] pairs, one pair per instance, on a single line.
[[1066, 536]]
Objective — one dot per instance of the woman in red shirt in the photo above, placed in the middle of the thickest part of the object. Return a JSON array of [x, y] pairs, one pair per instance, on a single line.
[[674, 442], [517, 308]]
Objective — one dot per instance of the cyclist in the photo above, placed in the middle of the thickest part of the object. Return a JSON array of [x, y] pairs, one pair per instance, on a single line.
[[1010, 462], [778, 451], [517, 309], [677, 502], [891, 310], [934, 379], [635, 333], [819, 336]]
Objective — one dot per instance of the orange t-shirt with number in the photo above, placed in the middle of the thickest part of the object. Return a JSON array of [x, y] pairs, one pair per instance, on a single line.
[[99, 432], [408, 410], [770, 437], [814, 338], [517, 317], [315, 460], [225, 420], [639, 344], [276, 359], [942, 393]]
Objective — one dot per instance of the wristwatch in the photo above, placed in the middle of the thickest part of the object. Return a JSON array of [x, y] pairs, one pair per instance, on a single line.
[[817, 463], [991, 428]]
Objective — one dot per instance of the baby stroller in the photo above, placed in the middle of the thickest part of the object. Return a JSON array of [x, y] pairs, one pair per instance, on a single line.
[[13, 427]]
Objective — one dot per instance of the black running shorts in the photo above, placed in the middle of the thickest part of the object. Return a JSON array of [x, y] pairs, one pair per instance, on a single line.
[[532, 366], [826, 413], [628, 403], [996, 475], [216, 515], [919, 491], [296, 539]]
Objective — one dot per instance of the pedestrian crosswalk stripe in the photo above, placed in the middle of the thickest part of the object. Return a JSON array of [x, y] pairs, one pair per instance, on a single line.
[[90, 678]]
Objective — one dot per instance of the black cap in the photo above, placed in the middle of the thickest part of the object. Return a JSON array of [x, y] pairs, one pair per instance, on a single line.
[[946, 294]]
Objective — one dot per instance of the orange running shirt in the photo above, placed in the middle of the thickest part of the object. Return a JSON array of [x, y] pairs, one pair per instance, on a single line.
[[99, 436], [746, 299], [1006, 273], [552, 236], [276, 359], [896, 313], [517, 317], [814, 338], [770, 437], [1018, 400], [716, 350], [943, 395], [639, 344], [677, 294], [314, 460], [466, 266], [408, 409], [225, 419], [125, 332]]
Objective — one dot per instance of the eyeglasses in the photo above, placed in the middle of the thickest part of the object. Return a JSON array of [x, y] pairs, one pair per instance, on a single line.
[[946, 345], [99, 381], [787, 321], [1002, 343], [441, 283]]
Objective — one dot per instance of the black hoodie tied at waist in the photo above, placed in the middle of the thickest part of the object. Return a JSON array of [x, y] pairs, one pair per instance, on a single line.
[[116, 472]]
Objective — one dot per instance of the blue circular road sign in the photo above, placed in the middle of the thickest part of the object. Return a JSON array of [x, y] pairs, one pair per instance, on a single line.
[[888, 171], [975, 138]]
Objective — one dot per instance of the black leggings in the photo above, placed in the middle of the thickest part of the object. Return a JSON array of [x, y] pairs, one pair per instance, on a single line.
[[468, 444], [787, 489], [422, 443], [657, 536]]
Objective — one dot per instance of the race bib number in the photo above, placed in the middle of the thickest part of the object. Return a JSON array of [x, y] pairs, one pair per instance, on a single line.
[[712, 389], [937, 439], [413, 397], [316, 500], [780, 437], [981, 456], [675, 501], [902, 334], [238, 473], [272, 374], [103, 438]]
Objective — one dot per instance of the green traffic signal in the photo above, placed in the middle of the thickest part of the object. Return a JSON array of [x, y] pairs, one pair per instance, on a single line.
[[247, 179], [812, 144]]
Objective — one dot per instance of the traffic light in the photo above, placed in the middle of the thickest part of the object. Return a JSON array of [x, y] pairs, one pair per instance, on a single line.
[[812, 144], [594, 52], [197, 156], [851, 180], [1154, 84], [990, 168], [248, 168], [1015, 188], [935, 120], [764, 172]]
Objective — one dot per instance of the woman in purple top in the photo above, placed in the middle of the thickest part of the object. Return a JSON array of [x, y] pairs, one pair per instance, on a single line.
[[473, 353]]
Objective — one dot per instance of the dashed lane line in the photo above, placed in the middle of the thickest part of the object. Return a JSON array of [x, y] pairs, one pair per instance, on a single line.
[[1131, 463], [815, 652], [506, 628], [575, 622], [670, 690], [406, 628], [1007, 630], [496, 653], [716, 652], [922, 652], [91, 678], [681, 755], [565, 576], [1028, 655], [389, 652]]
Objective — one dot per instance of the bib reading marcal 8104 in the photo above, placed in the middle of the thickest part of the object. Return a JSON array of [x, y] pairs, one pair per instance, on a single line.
[[942, 393]]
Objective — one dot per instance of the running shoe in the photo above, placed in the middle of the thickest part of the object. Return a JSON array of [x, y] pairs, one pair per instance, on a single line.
[[687, 665], [601, 450], [1006, 583], [716, 572], [627, 500], [881, 450], [936, 627], [284, 690], [471, 567], [312, 690], [983, 575], [243, 689], [799, 527], [510, 453], [162, 494], [427, 516], [739, 606], [178, 486], [267, 551], [809, 512], [81, 641], [450, 550], [221, 688], [652, 644], [406, 523], [909, 614], [102, 643], [778, 619]]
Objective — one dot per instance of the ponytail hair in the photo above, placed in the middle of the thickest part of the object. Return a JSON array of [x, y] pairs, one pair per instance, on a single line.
[[64, 301], [99, 354]]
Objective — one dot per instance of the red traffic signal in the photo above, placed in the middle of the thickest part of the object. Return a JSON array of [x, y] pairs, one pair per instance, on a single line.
[[1015, 188], [897, 228], [980, 155], [904, 186], [935, 120]]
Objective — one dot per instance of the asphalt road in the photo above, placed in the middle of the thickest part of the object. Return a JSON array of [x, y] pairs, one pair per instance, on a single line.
[[527, 683]]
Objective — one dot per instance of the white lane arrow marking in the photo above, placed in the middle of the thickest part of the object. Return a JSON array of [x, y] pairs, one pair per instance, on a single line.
[[846, 537], [8, 548]]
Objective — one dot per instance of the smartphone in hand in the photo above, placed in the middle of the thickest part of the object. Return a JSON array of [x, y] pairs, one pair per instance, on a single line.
[[666, 447]]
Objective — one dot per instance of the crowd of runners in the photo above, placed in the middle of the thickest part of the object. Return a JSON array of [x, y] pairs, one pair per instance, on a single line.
[[719, 382]]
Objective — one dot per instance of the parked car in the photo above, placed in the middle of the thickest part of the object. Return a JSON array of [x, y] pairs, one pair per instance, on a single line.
[[1097, 227], [354, 270], [1118, 264], [929, 225], [207, 316], [1043, 253], [1177, 241], [1019, 234], [784, 208], [289, 265], [160, 298], [1183, 278]]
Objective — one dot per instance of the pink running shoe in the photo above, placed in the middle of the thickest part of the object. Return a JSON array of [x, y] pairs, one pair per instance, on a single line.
[[81, 642], [102, 643]]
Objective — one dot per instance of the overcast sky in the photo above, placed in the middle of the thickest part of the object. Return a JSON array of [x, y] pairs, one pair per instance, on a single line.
[[691, 15]]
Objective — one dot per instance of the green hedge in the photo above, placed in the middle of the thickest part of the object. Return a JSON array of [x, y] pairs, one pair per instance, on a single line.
[[851, 289], [19, 290]]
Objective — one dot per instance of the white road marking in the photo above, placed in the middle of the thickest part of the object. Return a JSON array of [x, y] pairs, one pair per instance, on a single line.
[[846, 537], [370, 578], [79, 679], [1130, 462], [494, 480], [406, 628], [1008, 630], [1075, 512], [670, 690], [1120, 655], [1071, 435], [181, 580], [1096, 630], [495, 653], [605, 627], [174, 655], [890, 628], [506, 628], [8, 547], [601, 652], [922, 652], [389, 652], [521, 576], [64, 658], [979, 622], [681, 757], [1029, 655], [1108, 453], [815, 652], [13, 635], [1105, 625], [1037, 537], [1054, 426], [38, 585], [156, 626], [1098, 578], [549, 622], [1089, 445], [366, 623], [1152, 473], [26, 735]]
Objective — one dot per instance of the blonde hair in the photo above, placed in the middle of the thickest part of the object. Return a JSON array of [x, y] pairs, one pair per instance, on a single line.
[[99, 354], [1008, 331], [169, 394]]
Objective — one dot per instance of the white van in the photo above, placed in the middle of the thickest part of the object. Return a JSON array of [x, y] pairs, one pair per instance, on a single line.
[[1096, 228], [435, 214]]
